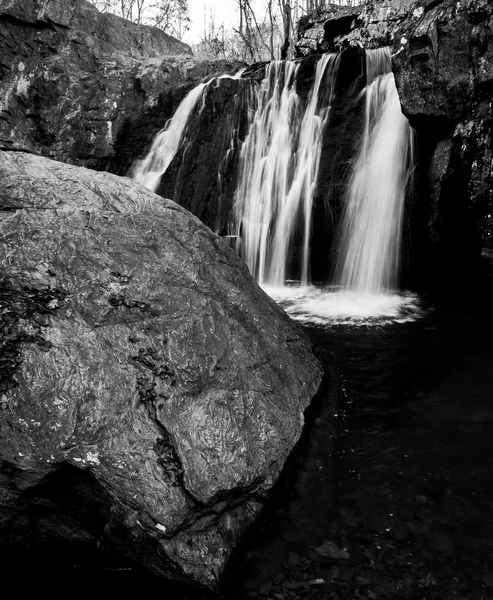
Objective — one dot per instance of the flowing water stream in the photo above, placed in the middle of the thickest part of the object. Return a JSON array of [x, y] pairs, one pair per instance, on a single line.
[[149, 171], [168, 141], [366, 278], [368, 259], [279, 164]]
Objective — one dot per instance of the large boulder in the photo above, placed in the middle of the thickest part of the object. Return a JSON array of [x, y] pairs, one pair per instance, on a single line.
[[137, 352], [76, 83]]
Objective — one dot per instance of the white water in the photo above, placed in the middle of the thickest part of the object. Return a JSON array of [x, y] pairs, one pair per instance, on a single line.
[[324, 307], [279, 164], [167, 142], [148, 171], [369, 252]]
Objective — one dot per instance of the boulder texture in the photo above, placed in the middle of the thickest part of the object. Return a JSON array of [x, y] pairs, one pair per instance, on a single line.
[[75, 83], [442, 60], [140, 362]]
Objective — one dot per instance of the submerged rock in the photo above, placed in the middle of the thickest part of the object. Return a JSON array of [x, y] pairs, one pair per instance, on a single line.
[[139, 354]]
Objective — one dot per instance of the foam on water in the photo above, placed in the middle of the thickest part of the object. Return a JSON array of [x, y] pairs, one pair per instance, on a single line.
[[312, 305]]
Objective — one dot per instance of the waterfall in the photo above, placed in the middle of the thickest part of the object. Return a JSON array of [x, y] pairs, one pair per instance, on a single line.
[[279, 164], [270, 144], [148, 171], [369, 253], [369, 249], [167, 142]]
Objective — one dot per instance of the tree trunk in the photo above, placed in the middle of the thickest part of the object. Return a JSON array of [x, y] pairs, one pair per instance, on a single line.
[[286, 19]]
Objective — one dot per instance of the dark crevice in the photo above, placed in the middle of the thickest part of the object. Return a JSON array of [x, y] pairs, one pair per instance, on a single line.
[[34, 306], [17, 149], [337, 26], [37, 25]]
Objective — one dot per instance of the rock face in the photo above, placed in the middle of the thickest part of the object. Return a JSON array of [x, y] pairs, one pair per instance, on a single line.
[[141, 363], [442, 59], [76, 83], [203, 174]]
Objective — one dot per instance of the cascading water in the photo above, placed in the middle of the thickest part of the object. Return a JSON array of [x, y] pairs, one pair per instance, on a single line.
[[279, 164], [370, 234], [148, 171], [167, 142], [369, 252], [278, 168]]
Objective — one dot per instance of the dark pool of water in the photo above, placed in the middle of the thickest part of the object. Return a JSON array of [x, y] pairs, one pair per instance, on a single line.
[[391, 493], [410, 488]]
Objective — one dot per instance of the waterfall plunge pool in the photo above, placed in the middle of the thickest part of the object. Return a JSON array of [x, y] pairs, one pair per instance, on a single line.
[[312, 305], [389, 495]]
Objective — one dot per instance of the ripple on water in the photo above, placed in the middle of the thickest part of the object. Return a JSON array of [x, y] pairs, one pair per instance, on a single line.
[[312, 305]]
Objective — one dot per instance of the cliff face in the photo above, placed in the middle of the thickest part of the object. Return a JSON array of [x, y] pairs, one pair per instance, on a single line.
[[443, 63], [75, 84], [443, 57]]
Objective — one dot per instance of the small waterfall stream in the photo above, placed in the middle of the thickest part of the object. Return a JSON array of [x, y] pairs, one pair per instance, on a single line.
[[148, 171], [369, 253], [279, 164], [168, 141]]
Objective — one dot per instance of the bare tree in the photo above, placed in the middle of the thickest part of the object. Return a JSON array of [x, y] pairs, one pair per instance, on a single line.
[[258, 33], [170, 15], [215, 41], [285, 8]]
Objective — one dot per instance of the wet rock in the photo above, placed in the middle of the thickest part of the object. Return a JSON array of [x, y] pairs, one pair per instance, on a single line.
[[265, 588], [293, 559], [368, 25], [203, 175], [331, 550], [141, 354]]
